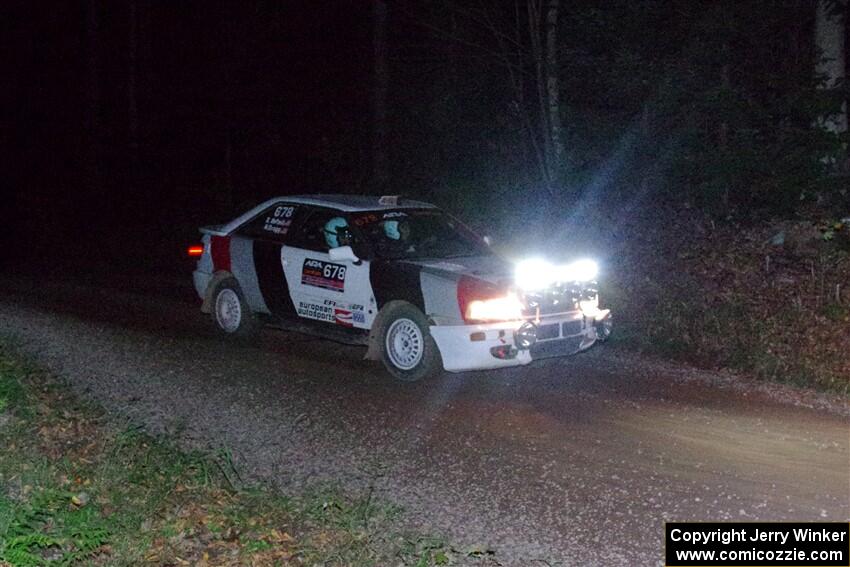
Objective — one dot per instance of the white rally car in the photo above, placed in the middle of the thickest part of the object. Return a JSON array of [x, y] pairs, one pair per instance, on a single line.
[[401, 277]]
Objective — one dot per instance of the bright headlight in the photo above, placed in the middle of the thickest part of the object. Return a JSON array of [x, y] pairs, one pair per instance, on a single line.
[[534, 274], [579, 271], [496, 309], [537, 274], [589, 307]]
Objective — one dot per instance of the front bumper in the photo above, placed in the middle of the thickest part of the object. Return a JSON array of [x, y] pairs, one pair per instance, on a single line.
[[493, 345]]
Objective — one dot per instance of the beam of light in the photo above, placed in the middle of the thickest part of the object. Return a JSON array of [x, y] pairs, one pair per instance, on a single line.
[[578, 271], [535, 274]]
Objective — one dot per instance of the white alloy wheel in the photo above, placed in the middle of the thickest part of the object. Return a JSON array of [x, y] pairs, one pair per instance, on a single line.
[[228, 310], [405, 344], [408, 351]]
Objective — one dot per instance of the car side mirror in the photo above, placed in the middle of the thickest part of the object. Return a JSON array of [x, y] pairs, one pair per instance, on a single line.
[[343, 254]]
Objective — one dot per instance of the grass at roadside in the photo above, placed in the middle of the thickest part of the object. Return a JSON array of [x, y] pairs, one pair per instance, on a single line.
[[804, 347], [77, 488]]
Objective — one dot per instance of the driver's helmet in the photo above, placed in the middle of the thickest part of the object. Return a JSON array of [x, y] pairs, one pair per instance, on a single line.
[[337, 233], [391, 230]]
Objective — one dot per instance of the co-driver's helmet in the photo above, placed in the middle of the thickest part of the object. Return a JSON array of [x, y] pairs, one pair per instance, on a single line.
[[337, 233]]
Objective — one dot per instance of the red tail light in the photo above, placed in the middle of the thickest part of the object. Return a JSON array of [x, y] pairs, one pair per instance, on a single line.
[[195, 250]]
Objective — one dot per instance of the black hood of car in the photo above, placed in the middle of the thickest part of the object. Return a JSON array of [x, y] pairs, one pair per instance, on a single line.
[[489, 268]]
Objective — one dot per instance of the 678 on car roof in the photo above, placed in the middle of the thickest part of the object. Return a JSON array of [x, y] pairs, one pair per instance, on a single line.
[[415, 286]]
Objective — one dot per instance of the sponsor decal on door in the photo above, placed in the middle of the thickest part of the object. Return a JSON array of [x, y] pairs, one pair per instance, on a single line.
[[314, 311], [318, 273], [344, 317]]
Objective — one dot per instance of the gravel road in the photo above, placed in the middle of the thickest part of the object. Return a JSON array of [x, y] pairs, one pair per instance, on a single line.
[[573, 461]]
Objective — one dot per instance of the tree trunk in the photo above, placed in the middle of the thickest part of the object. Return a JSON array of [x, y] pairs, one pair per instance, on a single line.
[[829, 39], [511, 53], [452, 50], [226, 200], [92, 118], [132, 99], [380, 171], [536, 40], [723, 127], [553, 91]]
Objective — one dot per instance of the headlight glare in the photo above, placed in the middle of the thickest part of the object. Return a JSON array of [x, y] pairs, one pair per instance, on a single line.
[[536, 274], [578, 271], [589, 307]]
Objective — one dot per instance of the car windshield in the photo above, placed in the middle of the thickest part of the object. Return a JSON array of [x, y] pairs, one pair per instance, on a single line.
[[417, 233]]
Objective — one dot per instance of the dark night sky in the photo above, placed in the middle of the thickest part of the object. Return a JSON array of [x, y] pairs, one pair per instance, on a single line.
[[285, 85], [238, 101], [208, 65]]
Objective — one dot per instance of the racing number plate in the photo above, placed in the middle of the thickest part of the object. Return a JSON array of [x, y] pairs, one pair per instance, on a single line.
[[323, 274]]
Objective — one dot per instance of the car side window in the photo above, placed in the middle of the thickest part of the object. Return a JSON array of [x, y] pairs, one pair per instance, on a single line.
[[319, 230], [273, 224]]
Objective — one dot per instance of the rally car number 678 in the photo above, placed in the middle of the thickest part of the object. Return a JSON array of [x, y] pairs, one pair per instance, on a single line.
[[416, 287]]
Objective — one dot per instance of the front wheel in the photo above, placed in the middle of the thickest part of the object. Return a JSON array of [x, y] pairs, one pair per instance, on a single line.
[[408, 351], [603, 329]]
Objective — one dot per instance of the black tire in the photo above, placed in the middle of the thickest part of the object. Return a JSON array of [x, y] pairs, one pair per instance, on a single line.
[[603, 329], [230, 312], [402, 328]]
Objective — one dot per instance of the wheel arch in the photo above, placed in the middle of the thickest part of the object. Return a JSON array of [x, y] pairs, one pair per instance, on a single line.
[[373, 352], [218, 277]]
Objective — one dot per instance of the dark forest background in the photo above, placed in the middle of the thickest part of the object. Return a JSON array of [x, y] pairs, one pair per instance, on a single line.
[[129, 124]]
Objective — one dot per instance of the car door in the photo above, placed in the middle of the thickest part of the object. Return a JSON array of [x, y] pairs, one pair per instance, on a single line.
[[256, 259], [337, 293]]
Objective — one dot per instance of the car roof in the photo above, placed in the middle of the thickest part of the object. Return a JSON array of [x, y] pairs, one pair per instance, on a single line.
[[355, 203], [343, 203]]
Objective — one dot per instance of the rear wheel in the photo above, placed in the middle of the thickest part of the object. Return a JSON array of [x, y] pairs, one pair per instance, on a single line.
[[231, 313], [407, 349]]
